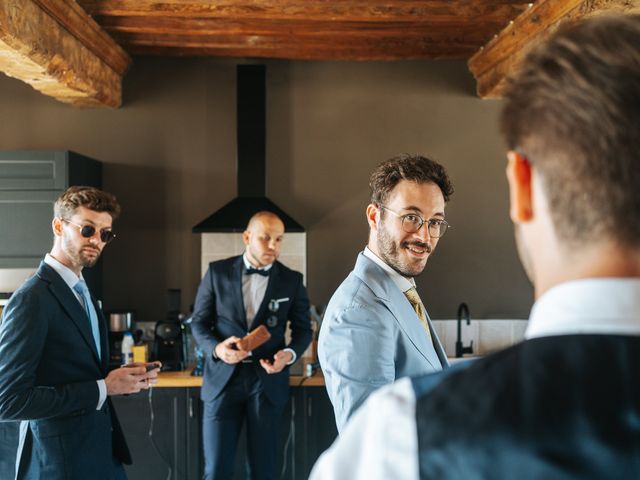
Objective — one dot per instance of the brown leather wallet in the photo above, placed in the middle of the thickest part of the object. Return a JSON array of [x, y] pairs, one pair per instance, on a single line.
[[254, 339]]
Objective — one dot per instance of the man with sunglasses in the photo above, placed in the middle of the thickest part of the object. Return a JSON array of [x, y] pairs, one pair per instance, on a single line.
[[54, 354], [376, 329]]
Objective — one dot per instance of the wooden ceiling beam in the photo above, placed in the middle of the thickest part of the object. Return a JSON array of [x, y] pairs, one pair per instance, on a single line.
[[329, 10], [59, 50], [352, 47], [159, 25], [302, 40], [305, 29], [501, 57]]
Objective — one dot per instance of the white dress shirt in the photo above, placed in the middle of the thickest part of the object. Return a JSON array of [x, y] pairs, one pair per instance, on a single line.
[[254, 287], [71, 279], [381, 439]]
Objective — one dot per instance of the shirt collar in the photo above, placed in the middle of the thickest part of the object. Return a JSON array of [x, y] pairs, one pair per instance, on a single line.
[[401, 281], [247, 264], [65, 272], [590, 306]]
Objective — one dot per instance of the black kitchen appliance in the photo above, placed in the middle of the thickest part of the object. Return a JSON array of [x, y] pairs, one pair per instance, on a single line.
[[168, 345], [119, 323]]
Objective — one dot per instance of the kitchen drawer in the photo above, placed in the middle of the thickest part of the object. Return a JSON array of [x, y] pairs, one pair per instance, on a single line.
[[25, 227], [32, 170]]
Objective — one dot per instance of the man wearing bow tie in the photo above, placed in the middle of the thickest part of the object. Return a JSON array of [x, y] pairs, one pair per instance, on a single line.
[[235, 296]]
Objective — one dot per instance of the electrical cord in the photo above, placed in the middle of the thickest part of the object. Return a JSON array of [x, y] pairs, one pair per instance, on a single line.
[[289, 440], [292, 424], [310, 370], [150, 435]]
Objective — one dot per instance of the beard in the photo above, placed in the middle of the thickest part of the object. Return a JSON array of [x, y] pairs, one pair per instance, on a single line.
[[80, 255], [260, 258], [391, 252]]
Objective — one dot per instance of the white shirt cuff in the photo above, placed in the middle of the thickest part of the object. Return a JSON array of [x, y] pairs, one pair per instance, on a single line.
[[102, 388], [295, 357]]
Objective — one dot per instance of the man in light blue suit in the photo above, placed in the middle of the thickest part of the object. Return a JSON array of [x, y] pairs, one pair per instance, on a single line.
[[376, 329], [564, 403]]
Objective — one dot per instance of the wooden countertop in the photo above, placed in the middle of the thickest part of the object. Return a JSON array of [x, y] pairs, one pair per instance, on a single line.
[[185, 379]]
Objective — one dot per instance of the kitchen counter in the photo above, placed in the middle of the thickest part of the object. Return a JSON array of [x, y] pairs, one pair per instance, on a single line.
[[185, 379]]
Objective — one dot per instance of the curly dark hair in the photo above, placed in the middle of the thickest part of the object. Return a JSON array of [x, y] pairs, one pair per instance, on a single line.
[[415, 168], [88, 197]]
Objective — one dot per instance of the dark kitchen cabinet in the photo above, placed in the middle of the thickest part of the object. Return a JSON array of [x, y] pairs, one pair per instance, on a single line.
[[163, 433], [30, 181], [308, 428], [315, 429]]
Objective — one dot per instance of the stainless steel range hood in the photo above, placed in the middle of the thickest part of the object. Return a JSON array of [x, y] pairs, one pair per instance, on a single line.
[[251, 160]]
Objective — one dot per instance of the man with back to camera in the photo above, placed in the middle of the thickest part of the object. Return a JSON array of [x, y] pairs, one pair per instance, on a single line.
[[237, 295], [565, 403], [54, 354], [375, 329]]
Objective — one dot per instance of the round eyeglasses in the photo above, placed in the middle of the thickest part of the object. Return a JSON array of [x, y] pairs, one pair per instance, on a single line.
[[412, 222], [88, 231]]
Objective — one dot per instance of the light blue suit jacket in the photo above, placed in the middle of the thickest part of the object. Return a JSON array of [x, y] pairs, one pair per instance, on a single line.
[[370, 337]]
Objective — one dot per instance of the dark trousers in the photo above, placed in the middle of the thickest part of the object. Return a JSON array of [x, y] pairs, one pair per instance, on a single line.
[[242, 399]]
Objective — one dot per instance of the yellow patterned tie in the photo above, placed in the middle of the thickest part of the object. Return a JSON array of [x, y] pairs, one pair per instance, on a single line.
[[414, 300]]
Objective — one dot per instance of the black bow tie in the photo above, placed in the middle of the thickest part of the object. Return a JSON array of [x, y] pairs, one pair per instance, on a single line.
[[259, 271]]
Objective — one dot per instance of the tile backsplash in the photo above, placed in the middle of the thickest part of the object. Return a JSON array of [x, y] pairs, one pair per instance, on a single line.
[[217, 246], [12, 278], [487, 335]]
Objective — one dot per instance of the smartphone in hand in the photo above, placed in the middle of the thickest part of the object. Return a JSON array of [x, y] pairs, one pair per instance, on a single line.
[[152, 366]]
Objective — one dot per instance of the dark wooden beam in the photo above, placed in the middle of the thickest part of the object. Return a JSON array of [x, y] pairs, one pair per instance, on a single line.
[[310, 30], [501, 57], [326, 10], [59, 50]]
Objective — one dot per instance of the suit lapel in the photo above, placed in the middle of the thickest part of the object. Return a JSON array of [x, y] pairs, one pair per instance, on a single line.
[[410, 324], [442, 356], [236, 287], [104, 336], [268, 294], [70, 304], [384, 288]]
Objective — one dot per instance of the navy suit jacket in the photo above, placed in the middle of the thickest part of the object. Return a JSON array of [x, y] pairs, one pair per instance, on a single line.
[[219, 313], [49, 366], [558, 407]]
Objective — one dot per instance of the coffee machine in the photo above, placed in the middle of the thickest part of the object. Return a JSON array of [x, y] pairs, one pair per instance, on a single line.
[[169, 341], [119, 323]]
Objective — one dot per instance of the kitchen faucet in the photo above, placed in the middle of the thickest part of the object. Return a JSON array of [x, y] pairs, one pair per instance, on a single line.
[[463, 309]]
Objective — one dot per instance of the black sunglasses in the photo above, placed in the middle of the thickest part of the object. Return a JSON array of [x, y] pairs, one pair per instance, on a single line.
[[88, 231]]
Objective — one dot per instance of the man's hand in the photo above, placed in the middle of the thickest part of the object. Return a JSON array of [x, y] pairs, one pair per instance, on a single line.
[[130, 379], [280, 360], [227, 352]]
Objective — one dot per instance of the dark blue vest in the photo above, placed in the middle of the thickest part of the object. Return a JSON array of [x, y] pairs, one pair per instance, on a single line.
[[559, 407]]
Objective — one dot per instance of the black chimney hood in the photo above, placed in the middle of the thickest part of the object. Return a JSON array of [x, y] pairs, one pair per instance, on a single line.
[[251, 160]]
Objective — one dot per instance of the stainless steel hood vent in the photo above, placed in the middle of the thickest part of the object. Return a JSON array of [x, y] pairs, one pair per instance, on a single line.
[[251, 159]]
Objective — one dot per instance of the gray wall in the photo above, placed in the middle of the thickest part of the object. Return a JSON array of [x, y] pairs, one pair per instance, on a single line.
[[169, 156]]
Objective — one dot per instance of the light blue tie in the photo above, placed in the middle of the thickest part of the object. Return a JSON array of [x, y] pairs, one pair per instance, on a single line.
[[83, 291]]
